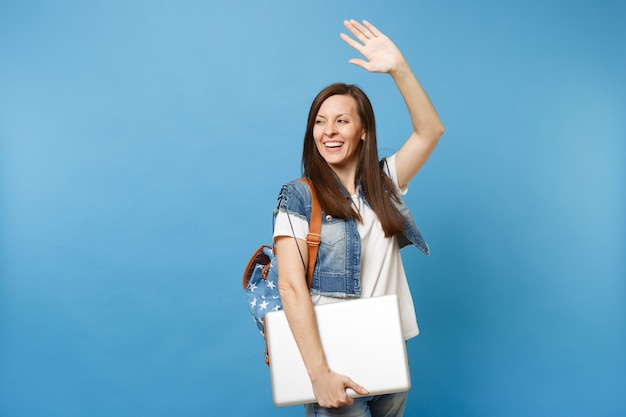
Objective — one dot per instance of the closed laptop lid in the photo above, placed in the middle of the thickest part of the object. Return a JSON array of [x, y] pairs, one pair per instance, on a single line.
[[362, 338]]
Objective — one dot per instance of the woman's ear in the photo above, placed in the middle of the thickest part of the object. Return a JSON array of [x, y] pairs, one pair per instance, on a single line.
[[363, 135]]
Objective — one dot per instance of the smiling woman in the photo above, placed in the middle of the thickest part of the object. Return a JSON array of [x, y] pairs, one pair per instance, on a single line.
[[365, 221]]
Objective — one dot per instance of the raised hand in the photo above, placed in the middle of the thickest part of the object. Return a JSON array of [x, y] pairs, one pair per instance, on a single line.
[[381, 53]]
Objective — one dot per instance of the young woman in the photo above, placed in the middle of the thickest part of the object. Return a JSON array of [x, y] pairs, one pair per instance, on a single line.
[[364, 216]]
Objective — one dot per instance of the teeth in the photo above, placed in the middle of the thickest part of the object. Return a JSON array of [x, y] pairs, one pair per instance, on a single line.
[[332, 144]]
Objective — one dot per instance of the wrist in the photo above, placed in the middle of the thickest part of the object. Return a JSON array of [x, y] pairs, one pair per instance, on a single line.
[[318, 372], [401, 69]]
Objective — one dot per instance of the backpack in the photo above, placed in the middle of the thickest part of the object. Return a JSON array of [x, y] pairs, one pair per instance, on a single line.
[[260, 278]]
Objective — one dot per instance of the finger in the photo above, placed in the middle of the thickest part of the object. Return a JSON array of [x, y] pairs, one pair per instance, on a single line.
[[366, 65], [356, 387], [358, 30], [360, 63], [347, 39], [361, 28], [372, 28]]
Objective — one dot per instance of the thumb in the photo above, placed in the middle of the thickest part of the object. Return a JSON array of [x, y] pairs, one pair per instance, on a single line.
[[359, 62], [356, 387]]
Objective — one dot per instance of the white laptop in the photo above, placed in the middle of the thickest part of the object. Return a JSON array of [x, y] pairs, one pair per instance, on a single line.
[[362, 338]]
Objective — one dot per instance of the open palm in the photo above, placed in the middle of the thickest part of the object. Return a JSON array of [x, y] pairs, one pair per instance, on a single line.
[[381, 53]]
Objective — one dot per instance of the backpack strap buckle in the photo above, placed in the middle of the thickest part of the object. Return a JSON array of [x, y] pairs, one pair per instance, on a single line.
[[313, 239]]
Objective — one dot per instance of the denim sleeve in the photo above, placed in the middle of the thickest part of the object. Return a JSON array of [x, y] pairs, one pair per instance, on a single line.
[[295, 199]]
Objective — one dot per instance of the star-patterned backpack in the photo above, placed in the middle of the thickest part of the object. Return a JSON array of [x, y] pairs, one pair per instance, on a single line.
[[260, 278]]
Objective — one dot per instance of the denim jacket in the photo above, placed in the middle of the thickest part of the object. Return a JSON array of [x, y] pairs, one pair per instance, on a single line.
[[337, 270]]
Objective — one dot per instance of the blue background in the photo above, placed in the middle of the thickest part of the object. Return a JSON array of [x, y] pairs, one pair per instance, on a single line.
[[143, 145]]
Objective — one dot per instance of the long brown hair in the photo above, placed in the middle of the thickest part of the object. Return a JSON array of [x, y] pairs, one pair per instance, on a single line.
[[377, 187]]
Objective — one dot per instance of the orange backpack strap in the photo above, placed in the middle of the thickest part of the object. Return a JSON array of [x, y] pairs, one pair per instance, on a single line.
[[314, 237]]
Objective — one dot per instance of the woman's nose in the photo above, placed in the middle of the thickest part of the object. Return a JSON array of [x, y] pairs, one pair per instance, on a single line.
[[330, 129]]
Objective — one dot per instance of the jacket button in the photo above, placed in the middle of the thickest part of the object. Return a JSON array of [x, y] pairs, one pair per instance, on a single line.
[[329, 217]]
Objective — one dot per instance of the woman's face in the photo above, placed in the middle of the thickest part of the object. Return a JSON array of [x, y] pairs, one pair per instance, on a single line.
[[338, 131]]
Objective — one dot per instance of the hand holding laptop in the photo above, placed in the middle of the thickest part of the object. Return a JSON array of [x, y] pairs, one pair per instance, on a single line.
[[370, 349], [332, 389]]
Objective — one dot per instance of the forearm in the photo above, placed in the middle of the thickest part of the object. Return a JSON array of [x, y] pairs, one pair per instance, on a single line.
[[297, 303], [301, 317], [426, 123]]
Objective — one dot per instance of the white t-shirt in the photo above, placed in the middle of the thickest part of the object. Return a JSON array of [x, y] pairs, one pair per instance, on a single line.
[[382, 271]]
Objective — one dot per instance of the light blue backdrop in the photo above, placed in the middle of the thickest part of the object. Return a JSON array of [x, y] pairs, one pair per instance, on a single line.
[[143, 144]]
